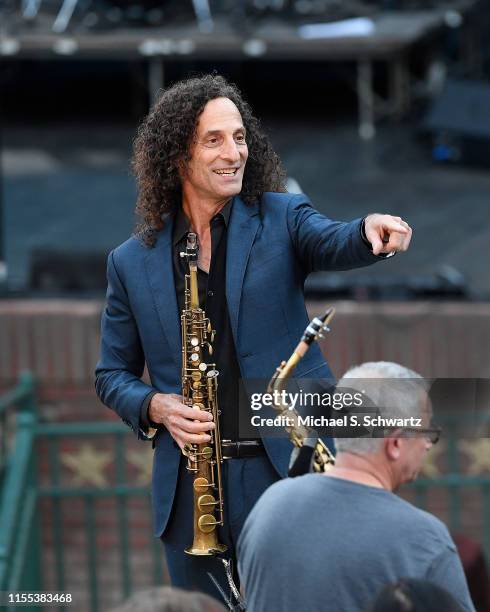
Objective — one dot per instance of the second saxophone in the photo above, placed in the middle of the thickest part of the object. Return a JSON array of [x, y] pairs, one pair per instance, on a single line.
[[305, 441]]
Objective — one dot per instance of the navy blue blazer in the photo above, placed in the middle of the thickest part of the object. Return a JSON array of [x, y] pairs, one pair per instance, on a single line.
[[272, 246]]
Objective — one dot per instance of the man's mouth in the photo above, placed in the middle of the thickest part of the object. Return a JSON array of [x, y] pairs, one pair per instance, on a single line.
[[226, 171]]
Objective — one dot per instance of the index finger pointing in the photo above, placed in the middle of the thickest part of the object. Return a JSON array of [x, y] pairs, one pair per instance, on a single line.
[[394, 226]]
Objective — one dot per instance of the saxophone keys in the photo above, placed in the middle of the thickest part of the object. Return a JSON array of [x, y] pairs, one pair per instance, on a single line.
[[206, 503], [207, 523], [203, 367], [196, 375], [207, 453], [194, 341], [194, 357], [210, 349], [201, 485]]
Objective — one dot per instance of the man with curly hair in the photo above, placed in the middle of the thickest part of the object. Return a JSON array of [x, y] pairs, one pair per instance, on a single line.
[[203, 163]]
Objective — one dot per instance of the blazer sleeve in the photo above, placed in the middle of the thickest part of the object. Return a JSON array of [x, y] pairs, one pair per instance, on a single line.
[[118, 373], [323, 244]]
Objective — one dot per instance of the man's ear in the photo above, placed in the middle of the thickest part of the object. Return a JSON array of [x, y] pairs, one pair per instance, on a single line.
[[393, 448]]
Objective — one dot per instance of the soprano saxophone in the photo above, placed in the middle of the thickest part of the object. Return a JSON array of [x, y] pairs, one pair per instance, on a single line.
[[304, 439], [199, 389]]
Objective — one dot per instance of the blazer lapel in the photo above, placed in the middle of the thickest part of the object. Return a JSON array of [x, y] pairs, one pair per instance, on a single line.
[[244, 223], [159, 267]]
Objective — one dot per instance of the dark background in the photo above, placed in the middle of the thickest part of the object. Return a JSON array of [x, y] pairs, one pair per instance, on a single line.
[[66, 134]]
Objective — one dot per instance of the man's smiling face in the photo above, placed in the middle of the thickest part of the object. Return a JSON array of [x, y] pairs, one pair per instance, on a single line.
[[218, 154]]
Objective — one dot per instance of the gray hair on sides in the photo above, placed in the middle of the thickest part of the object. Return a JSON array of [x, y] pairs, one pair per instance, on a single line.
[[391, 399]]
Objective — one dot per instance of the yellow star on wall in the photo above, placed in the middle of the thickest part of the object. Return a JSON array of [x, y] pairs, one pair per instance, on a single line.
[[478, 452], [142, 461], [88, 465], [429, 467]]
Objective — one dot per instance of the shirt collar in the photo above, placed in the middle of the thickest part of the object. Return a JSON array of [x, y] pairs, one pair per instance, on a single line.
[[182, 223]]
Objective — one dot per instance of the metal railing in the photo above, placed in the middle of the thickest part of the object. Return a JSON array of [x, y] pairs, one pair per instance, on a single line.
[[82, 471], [33, 474], [19, 530], [455, 479], [111, 439], [21, 398]]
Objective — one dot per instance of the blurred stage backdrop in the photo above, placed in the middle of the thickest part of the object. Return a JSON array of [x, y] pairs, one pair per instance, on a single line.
[[372, 106]]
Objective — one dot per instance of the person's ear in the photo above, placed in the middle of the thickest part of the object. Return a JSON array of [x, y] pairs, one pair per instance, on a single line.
[[393, 448]]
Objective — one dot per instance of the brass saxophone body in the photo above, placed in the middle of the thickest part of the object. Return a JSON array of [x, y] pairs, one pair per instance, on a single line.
[[300, 435], [199, 389]]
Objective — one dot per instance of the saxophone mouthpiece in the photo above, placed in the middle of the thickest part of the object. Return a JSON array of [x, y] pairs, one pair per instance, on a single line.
[[191, 248], [191, 240], [328, 316], [317, 326]]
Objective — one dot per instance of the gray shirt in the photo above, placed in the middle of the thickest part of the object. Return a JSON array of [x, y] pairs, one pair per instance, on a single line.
[[322, 543]]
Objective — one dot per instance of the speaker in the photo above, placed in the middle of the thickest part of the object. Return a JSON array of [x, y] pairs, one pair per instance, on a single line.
[[446, 283], [459, 121], [67, 271]]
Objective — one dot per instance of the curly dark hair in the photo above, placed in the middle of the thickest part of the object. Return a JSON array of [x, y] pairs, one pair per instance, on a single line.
[[163, 142]]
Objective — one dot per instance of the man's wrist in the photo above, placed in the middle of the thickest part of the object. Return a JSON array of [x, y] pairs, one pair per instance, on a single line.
[[362, 231], [145, 420]]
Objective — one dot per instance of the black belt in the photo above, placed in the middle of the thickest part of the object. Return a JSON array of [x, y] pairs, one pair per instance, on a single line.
[[242, 449]]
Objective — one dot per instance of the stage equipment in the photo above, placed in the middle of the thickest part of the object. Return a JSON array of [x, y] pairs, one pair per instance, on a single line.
[[460, 124], [54, 271], [446, 283]]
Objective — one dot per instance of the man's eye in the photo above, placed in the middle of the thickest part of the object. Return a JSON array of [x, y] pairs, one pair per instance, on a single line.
[[212, 141], [240, 138]]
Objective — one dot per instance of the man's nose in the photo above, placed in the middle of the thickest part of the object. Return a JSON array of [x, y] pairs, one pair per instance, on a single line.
[[230, 151]]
